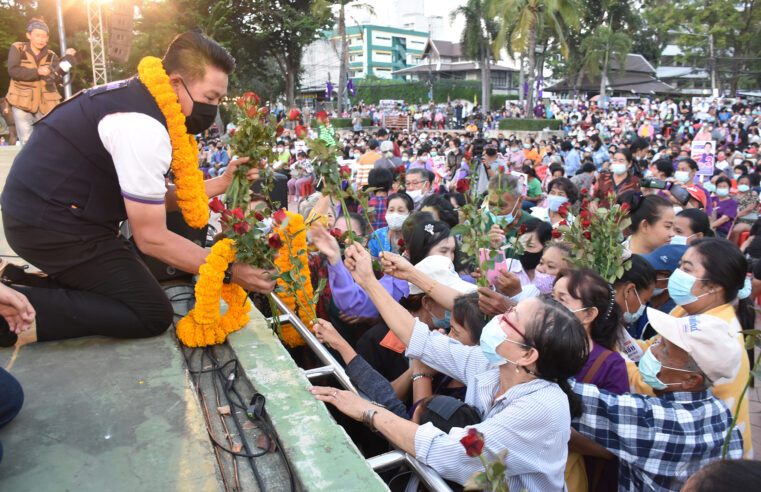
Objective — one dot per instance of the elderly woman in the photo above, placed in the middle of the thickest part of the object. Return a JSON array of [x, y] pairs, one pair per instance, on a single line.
[[516, 379]]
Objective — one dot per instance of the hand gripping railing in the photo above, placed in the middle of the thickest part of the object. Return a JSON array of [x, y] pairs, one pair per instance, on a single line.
[[426, 474]]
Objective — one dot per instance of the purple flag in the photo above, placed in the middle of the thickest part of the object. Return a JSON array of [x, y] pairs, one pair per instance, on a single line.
[[539, 88], [525, 87], [350, 87], [328, 90]]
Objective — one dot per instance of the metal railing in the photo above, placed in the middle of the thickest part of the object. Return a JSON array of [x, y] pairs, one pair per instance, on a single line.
[[426, 474]]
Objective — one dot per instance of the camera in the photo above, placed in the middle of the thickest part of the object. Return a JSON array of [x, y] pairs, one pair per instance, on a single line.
[[59, 70]]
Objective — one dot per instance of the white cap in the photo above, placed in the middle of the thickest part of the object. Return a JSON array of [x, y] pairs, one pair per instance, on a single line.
[[710, 341], [386, 146], [441, 269]]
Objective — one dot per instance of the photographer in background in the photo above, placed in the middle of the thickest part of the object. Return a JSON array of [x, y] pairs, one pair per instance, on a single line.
[[34, 71]]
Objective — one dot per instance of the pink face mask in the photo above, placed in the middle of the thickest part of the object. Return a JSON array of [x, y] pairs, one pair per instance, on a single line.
[[543, 282]]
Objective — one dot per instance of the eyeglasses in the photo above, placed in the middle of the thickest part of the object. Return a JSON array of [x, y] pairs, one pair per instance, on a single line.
[[412, 183], [504, 319]]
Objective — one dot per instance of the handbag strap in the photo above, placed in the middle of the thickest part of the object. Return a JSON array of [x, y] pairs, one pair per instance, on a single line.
[[592, 372]]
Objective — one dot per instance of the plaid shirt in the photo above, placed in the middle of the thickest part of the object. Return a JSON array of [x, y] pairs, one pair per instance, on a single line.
[[378, 206], [659, 441]]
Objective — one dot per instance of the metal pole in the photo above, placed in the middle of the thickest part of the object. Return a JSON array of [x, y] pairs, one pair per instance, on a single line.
[[714, 88], [62, 38]]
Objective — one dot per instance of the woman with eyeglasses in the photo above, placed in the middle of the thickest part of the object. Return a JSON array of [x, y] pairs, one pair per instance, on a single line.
[[517, 378]]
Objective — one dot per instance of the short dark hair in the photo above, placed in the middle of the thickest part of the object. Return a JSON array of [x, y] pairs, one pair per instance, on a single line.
[[467, 313], [191, 52], [727, 475], [641, 208], [381, 178], [699, 221], [641, 273], [592, 290], [443, 207], [665, 166], [639, 144], [424, 173], [400, 195], [565, 184]]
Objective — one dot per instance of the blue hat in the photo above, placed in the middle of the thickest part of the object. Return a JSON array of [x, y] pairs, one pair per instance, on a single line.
[[666, 258]]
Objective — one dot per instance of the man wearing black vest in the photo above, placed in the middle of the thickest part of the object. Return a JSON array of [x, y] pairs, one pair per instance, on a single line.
[[98, 159]]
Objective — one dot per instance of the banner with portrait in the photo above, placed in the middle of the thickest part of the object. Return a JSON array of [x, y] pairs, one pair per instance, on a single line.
[[704, 153]]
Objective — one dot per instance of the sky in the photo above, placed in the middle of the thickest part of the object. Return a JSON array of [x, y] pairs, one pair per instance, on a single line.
[[387, 13]]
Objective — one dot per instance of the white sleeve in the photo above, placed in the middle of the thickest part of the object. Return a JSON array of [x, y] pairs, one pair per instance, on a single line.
[[141, 150]]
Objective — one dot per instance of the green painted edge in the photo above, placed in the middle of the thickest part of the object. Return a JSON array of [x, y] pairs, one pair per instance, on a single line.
[[320, 452]]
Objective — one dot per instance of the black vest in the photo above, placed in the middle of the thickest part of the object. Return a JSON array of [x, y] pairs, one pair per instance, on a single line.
[[64, 179]]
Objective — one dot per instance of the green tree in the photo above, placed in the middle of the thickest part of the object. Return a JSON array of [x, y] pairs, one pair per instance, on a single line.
[[598, 52], [521, 20], [476, 41]]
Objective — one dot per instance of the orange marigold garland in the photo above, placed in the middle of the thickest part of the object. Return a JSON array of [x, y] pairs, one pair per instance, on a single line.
[[204, 325], [304, 305], [191, 192]]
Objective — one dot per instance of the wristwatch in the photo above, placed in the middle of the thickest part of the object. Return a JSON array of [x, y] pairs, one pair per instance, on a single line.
[[228, 274]]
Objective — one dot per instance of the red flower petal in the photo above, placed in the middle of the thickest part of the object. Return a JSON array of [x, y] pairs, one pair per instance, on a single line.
[[301, 131], [279, 215], [473, 442], [216, 205], [238, 213], [275, 242]]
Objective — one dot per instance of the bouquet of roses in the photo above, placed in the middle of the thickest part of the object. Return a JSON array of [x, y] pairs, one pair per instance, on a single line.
[[597, 237]]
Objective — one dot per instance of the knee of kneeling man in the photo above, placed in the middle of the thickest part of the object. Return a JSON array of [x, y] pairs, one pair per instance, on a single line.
[[160, 321]]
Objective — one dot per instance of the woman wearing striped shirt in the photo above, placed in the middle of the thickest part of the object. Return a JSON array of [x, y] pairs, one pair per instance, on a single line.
[[516, 379]]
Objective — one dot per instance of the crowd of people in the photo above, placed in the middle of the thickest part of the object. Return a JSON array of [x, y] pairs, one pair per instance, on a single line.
[[591, 385]]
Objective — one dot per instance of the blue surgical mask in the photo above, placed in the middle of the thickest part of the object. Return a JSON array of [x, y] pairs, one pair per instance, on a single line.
[[554, 202], [657, 292], [709, 187], [618, 168], [682, 176], [722, 191], [492, 336], [650, 367], [743, 188], [506, 220], [681, 240], [633, 317], [680, 287], [442, 322]]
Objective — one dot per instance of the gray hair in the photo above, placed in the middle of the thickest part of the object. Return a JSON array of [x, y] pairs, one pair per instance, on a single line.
[[693, 366], [505, 182]]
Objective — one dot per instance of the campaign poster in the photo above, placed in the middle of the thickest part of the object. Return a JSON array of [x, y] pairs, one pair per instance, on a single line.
[[704, 153], [523, 180]]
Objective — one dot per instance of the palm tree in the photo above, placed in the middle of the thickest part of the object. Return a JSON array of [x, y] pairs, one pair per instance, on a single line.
[[598, 51], [521, 20], [476, 40]]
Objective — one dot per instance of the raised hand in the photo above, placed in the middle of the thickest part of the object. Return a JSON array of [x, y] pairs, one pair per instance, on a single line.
[[326, 243], [359, 262], [396, 265]]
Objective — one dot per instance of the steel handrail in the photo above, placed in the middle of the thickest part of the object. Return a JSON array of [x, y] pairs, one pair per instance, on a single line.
[[427, 475]]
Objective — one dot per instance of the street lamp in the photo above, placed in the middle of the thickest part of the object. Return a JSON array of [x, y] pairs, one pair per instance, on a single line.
[[711, 60]]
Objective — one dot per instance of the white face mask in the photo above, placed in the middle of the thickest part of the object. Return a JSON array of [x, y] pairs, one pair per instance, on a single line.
[[395, 221], [416, 195]]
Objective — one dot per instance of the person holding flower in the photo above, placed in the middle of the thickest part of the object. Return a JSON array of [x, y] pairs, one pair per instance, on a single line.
[[103, 156], [517, 378]]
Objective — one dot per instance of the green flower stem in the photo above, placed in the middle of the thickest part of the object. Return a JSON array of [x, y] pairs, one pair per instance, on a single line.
[[275, 315], [309, 309], [486, 467], [737, 408]]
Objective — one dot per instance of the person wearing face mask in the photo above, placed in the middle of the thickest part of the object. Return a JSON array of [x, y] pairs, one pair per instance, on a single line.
[[515, 155], [711, 276], [632, 292], [560, 191], [504, 209], [105, 154], [399, 207], [516, 378], [687, 420], [418, 183], [617, 180], [726, 207], [747, 208]]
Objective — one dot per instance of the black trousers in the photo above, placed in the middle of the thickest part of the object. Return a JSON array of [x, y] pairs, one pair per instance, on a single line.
[[98, 285]]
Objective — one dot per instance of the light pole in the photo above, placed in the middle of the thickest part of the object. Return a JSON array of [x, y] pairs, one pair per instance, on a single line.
[[62, 38], [711, 59]]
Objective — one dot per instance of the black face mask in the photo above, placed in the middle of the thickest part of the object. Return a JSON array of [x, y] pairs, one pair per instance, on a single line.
[[530, 260], [201, 116]]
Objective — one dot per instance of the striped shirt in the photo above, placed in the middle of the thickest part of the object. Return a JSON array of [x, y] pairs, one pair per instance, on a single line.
[[328, 135], [531, 420]]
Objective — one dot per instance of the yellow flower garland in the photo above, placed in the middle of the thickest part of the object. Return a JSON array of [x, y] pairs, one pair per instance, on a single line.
[[191, 192], [289, 335], [204, 325]]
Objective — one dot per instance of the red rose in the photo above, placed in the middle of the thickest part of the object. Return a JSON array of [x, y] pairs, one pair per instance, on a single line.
[[462, 186], [563, 223], [335, 233], [400, 242], [501, 169], [584, 214], [563, 210], [399, 170], [584, 191], [345, 171], [258, 216], [556, 234], [241, 103], [473, 442], [251, 96], [264, 111], [241, 227], [216, 205], [625, 207], [293, 114], [587, 234], [279, 130], [279, 215], [275, 242], [251, 112], [232, 132], [585, 224], [522, 229], [238, 213], [301, 131], [226, 215], [467, 156], [585, 204]]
